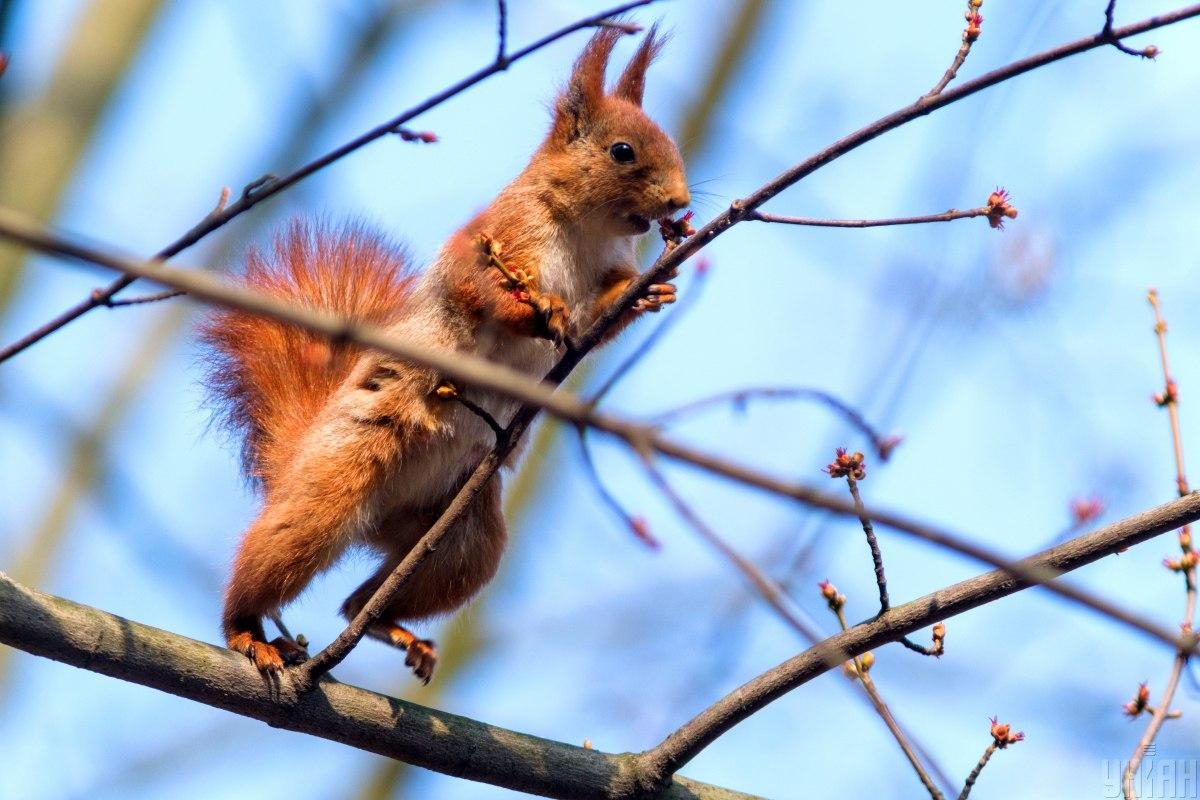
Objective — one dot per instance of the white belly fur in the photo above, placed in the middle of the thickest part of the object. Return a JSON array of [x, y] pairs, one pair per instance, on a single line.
[[571, 270]]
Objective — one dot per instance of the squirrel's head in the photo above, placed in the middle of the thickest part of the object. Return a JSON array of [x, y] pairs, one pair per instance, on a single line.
[[620, 169]]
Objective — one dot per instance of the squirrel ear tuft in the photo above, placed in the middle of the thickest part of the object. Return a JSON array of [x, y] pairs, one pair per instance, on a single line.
[[632, 82], [579, 103]]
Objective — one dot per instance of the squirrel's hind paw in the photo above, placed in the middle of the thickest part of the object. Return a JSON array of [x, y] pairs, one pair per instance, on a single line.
[[422, 657], [422, 653], [269, 657]]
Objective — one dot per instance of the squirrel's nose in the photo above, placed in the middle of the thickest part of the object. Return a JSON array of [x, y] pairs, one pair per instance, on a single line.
[[679, 197]]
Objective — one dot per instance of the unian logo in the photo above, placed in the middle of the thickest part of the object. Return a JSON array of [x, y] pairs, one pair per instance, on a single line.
[[1155, 779]]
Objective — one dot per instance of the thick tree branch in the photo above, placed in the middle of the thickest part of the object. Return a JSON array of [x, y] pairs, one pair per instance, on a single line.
[[101, 642], [91, 639]]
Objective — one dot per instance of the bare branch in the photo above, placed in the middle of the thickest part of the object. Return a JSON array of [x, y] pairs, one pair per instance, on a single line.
[[310, 671], [852, 467], [883, 445], [1114, 37], [637, 525], [969, 784], [1002, 736], [945, 216], [690, 298], [91, 639], [969, 35], [166, 294], [689, 740], [1186, 564]]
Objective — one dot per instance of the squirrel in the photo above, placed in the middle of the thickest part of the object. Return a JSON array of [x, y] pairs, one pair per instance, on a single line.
[[355, 447]]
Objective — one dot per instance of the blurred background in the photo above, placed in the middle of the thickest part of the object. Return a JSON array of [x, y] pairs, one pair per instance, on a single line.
[[1018, 364]]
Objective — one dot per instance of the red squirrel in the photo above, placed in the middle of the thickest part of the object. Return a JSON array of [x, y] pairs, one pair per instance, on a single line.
[[355, 447]]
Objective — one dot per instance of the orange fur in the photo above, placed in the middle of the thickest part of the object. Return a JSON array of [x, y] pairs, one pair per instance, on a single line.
[[269, 379], [357, 447]]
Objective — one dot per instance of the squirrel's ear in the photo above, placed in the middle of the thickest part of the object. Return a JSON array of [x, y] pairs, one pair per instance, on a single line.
[[632, 82], [579, 103]]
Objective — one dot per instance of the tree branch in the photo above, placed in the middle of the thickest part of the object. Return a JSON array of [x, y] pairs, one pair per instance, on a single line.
[[91, 639], [94, 640], [689, 740]]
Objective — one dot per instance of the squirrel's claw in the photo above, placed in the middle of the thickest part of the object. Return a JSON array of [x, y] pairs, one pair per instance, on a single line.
[[553, 314], [422, 657], [269, 657], [422, 653]]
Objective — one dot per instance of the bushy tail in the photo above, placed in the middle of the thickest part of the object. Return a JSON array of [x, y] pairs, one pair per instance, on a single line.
[[267, 380]]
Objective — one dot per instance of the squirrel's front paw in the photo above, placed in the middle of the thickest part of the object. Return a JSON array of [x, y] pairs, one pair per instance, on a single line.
[[553, 316], [657, 296]]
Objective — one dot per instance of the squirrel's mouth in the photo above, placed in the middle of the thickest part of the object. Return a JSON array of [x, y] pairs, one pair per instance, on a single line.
[[639, 223]]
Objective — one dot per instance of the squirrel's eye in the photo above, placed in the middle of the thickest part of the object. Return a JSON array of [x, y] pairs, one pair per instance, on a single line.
[[622, 153]]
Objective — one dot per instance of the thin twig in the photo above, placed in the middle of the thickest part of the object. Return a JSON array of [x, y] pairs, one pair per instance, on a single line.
[[1114, 37], [1170, 395], [872, 543], [882, 444], [945, 216], [690, 299], [308, 673], [268, 188], [482, 413], [637, 525], [634, 523], [898, 734], [483, 374], [502, 33], [969, 35], [880, 576], [766, 587], [156, 297], [974, 776], [277, 619], [1169, 399], [862, 667]]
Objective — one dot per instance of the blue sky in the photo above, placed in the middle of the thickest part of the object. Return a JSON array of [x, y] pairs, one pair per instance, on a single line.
[[1018, 365]]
